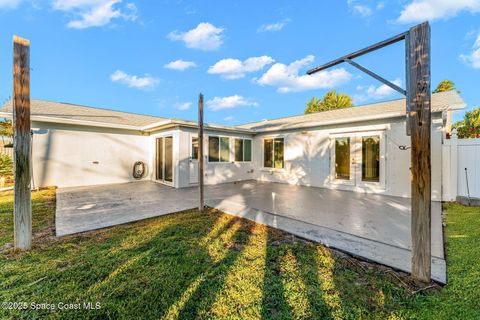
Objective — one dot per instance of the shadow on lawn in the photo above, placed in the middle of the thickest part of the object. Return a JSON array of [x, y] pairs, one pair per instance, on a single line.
[[170, 273], [186, 270], [196, 266], [293, 288]]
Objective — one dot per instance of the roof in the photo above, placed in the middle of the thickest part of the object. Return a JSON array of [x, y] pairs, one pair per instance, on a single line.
[[67, 111], [442, 101], [62, 112], [59, 112]]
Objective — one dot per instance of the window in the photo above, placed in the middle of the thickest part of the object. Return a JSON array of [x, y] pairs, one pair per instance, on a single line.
[[194, 154], [273, 153], [213, 149], [218, 149], [371, 158], [342, 158], [243, 150], [247, 150]]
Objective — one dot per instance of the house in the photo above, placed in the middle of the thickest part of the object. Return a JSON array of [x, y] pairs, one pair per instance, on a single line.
[[362, 149]]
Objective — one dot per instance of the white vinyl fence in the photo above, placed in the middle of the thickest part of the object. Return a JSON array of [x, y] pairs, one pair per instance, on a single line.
[[461, 167]]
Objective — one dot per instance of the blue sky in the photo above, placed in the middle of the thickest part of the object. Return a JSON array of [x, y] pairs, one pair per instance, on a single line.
[[247, 57]]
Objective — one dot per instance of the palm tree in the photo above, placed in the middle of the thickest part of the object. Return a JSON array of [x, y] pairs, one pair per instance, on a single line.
[[330, 101], [445, 85], [312, 105]]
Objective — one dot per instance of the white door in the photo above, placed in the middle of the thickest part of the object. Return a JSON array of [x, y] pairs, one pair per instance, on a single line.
[[193, 159], [358, 160]]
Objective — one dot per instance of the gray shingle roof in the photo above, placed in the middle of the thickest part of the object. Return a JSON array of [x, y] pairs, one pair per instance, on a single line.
[[395, 108], [440, 102], [69, 111]]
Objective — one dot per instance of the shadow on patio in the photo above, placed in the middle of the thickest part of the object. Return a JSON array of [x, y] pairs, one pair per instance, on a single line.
[[372, 226]]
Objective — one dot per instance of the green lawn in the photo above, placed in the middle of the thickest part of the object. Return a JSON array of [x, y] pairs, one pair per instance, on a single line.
[[211, 265]]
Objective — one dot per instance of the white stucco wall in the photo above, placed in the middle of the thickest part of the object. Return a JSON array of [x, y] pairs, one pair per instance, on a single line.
[[69, 155], [218, 172], [307, 157]]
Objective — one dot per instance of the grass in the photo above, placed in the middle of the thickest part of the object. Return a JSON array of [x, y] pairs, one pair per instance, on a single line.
[[192, 265]]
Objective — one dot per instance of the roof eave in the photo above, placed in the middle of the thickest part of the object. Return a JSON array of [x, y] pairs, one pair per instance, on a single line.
[[189, 124], [336, 121], [8, 115]]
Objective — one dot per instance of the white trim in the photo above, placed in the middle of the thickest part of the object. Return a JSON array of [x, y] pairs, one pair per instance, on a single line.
[[191, 159], [156, 124], [333, 180], [74, 121], [163, 181]]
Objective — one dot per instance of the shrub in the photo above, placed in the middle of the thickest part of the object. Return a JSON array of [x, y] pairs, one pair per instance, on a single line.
[[6, 166]]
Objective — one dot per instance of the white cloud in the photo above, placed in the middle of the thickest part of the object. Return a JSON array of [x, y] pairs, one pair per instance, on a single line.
[[95, 13], [145, 82], [376, 93], [235, 69], [180, 65], [183, 106], [473, 59], [271, 27], [230, 102], [204, 37], [421, 10], [229, 118], [287, 78], [9, 4], [362, 10]]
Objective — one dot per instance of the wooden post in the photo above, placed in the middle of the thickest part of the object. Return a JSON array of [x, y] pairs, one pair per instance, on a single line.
[[22, 211], [419, 103], [201, 203]]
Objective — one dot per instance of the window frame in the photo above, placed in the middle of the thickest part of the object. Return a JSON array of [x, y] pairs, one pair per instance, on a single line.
[[243, 150], [192, 137], [219, 149], [273, 138]]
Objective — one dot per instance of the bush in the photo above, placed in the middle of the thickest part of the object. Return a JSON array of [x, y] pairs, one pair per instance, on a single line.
[[6, 166]]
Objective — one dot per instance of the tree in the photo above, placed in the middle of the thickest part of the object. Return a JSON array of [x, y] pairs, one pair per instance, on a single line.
[[469, 127], [445, 85], [312, 105], [330, 101]]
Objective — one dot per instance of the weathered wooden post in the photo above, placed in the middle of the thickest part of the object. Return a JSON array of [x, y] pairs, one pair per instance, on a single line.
[[417, 62], [201, 203], [21, 120], [418, 106]]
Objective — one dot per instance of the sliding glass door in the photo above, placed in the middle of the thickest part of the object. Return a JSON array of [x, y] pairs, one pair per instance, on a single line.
[[358, 159], [164, 159]]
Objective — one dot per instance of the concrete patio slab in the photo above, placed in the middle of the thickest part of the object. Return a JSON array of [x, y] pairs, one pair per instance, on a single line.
[[87, 208], [371, 226]]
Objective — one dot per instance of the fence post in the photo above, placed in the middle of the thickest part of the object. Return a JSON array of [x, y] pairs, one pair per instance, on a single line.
[[454, 164]]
